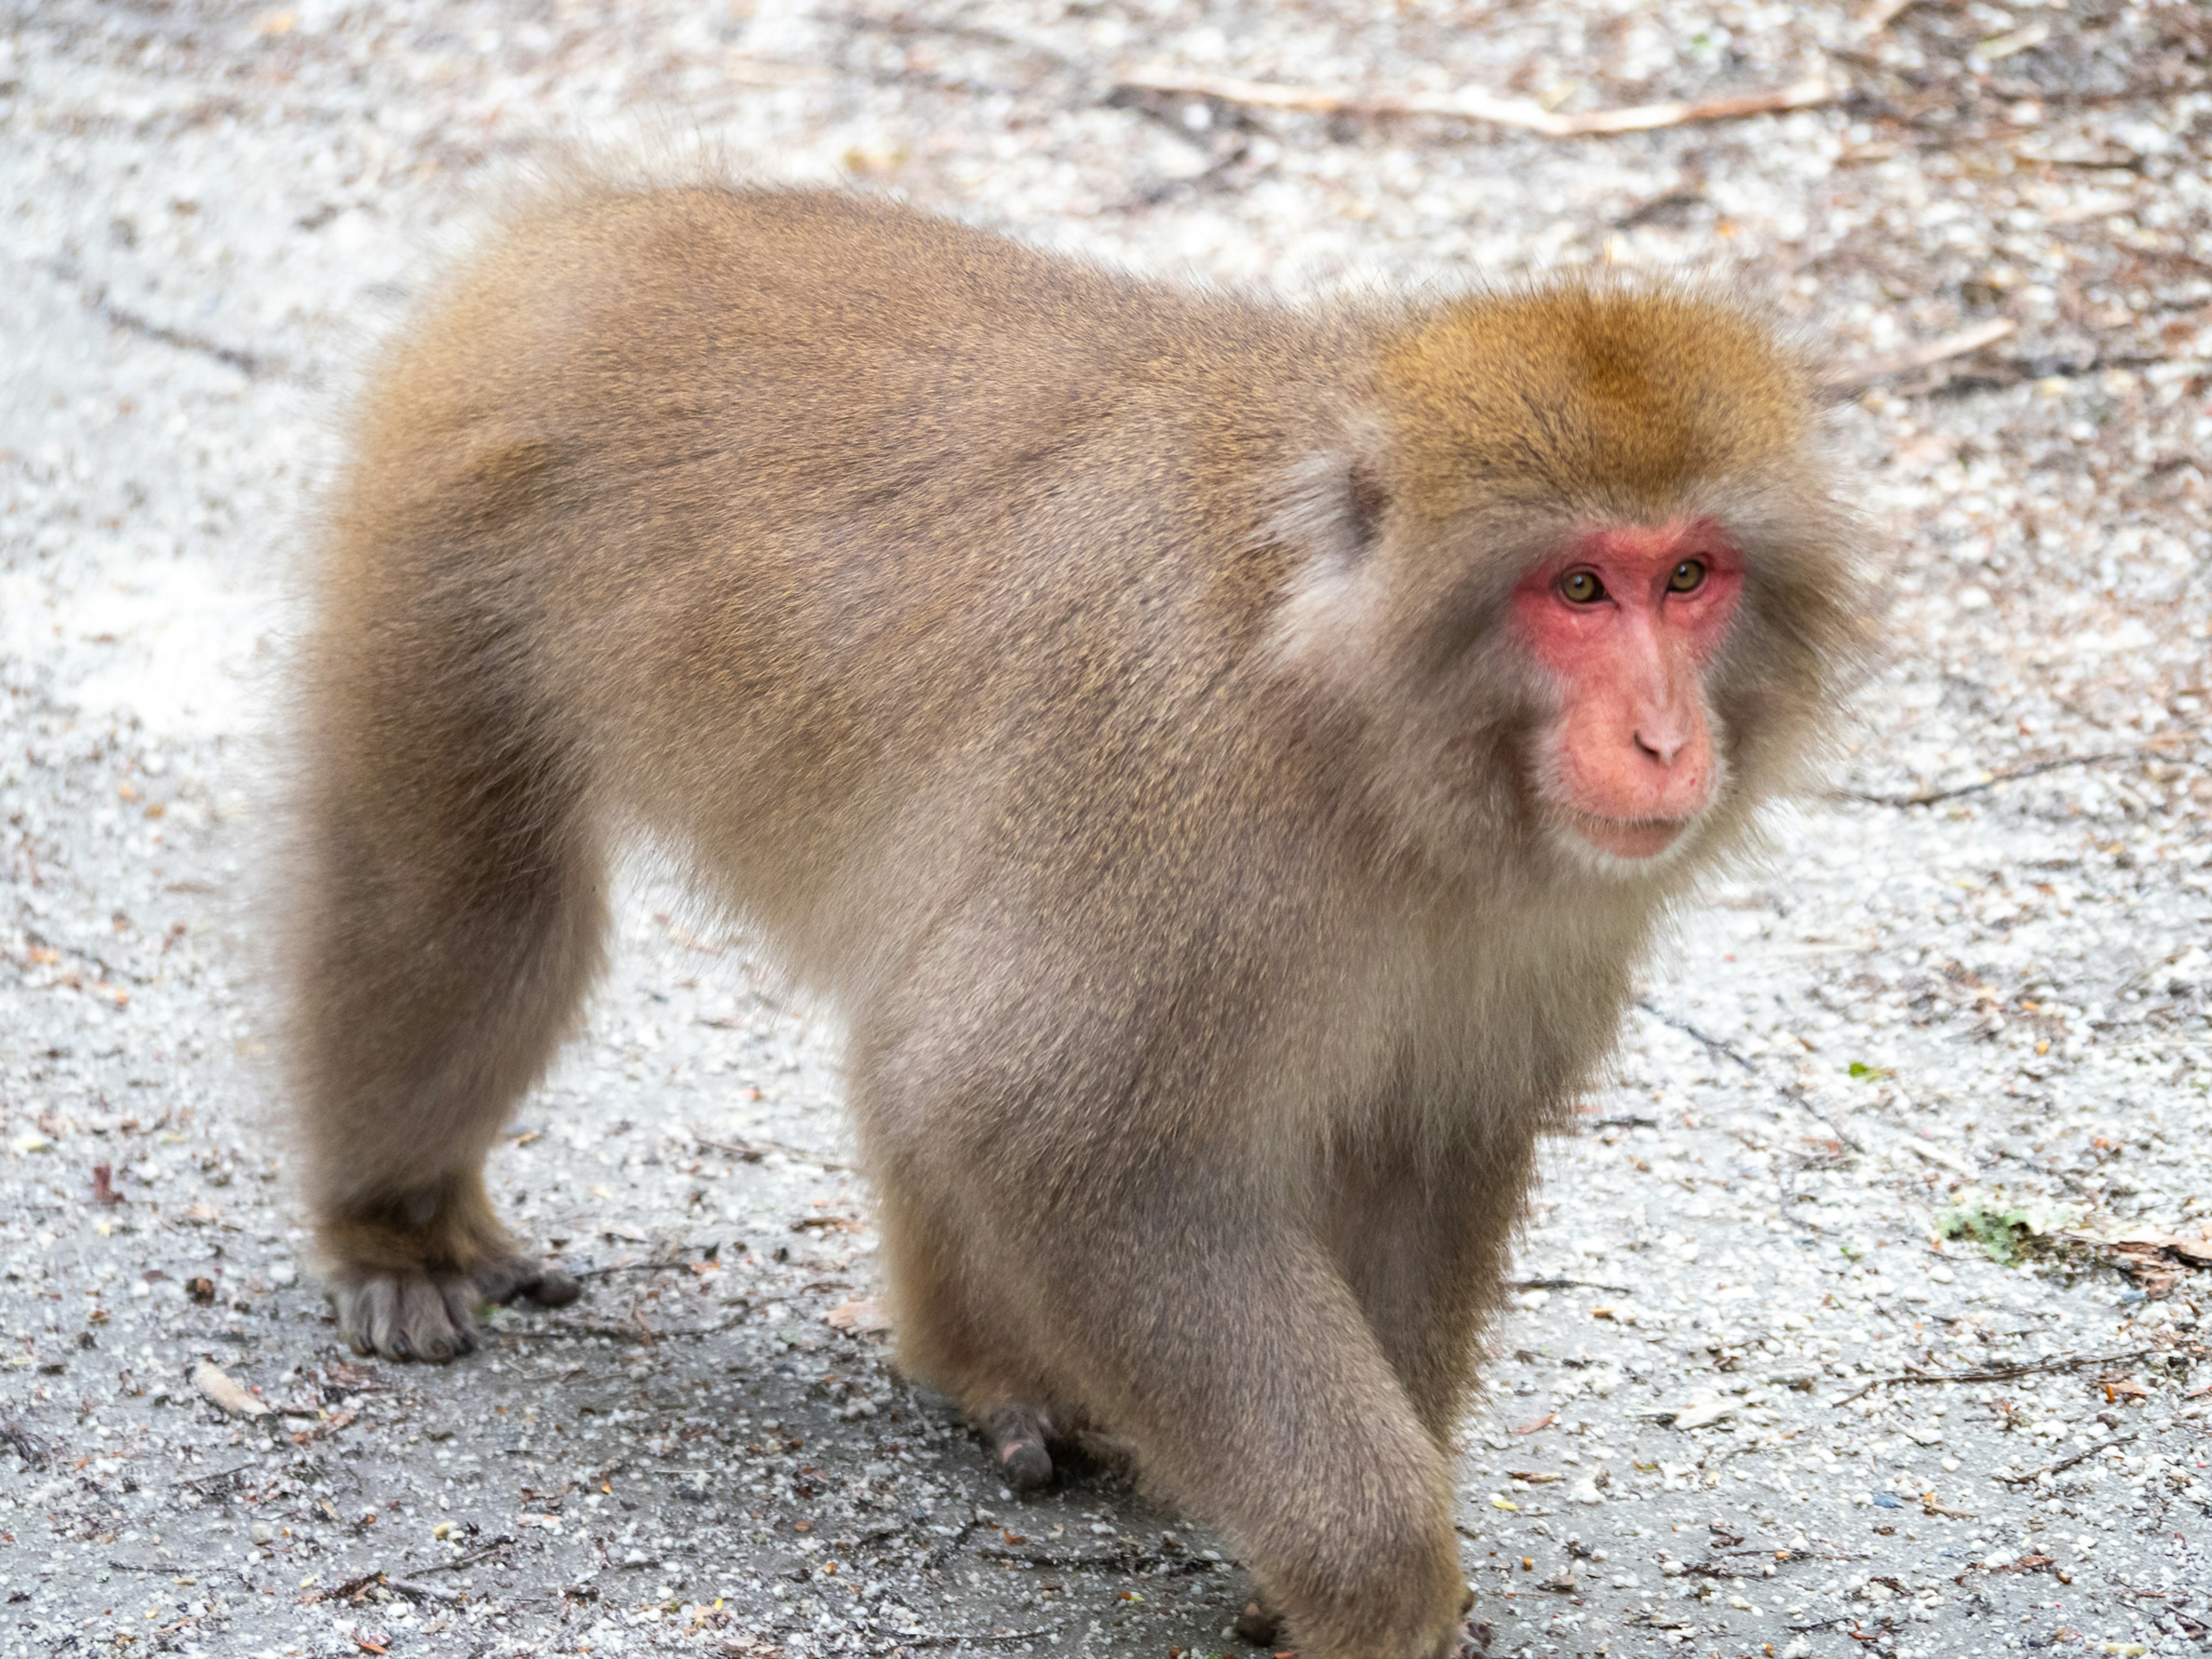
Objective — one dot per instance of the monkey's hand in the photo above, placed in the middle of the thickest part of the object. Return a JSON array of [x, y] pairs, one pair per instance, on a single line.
[[421, 1315]]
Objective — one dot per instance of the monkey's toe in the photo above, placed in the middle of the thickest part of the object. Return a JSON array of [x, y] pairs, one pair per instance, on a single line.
[[1017, 1436], [1024, 1465], [513, 1278], [1473, 1641], [409, 1317], [1259, 1623]]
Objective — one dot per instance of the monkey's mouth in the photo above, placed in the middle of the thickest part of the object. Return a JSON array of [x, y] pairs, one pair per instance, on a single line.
[[1627, 838]]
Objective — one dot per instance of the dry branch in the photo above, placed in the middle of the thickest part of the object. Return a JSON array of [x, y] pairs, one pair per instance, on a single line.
[[1927, 356], [747, 1152], [1881, 13], [1469, 104], [2063, 1463], [1931, 797], [2003, 1372]]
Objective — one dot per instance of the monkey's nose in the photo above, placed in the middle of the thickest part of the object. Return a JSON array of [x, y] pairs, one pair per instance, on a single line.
[[1663, 740]]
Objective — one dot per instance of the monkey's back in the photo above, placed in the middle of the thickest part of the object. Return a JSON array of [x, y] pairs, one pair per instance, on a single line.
[[792, 523]]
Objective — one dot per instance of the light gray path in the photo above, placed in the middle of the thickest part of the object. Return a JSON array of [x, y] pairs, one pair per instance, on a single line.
[[1994, 1003]]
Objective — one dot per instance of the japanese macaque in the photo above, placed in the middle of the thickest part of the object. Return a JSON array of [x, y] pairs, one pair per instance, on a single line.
[[1223, 762]]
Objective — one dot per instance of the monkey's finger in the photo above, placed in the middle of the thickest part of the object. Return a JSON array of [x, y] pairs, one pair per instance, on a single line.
[[460, 1299], [348, 1301], [425, 1329], [511, 1276], [368, 1313]]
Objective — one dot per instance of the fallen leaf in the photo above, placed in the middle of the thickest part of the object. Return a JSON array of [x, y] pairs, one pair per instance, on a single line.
[[220, 1389], [103, 1185], [865, 1314], [1542, 1422], [1712, 1411]]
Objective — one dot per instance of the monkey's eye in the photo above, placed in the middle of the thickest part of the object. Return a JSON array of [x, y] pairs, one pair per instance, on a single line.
[[1688, 577], [1580, 587]]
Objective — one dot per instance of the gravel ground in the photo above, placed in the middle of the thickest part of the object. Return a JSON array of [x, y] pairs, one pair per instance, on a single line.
[[1867, 1313]]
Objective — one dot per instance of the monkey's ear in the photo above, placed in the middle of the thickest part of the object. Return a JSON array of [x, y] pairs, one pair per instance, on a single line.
[[1369, 499], [1333, 506], [1333, 509]]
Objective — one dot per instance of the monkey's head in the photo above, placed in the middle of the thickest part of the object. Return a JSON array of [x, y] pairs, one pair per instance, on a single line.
[[1579, 565]]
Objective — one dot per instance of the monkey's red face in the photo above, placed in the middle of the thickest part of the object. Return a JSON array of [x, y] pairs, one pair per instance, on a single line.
[[1625, 620]]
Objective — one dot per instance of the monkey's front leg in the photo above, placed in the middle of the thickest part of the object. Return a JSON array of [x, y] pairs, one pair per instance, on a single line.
[[1423, 1234], [1230, 1351], [406, 1275]]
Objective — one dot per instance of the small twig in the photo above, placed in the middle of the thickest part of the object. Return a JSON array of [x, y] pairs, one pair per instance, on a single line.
[[167, 1569], [1101, 1563], [1471, 105], [1965, 341], [1872, 21], [354, 1587], [1930, 797], [1788, 1091], [1712, 1044], [953, 1638], [679, 1266], [2000, 1373], [2063, 1462], [254, 365], [470, 1559], [422, 1592], [1567, 1285], [642, 1335], [749, 1153], [1216, 170], [219, 1474]]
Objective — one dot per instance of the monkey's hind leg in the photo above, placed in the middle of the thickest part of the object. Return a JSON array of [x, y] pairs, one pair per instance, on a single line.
[[453, 913], [948, 1336]]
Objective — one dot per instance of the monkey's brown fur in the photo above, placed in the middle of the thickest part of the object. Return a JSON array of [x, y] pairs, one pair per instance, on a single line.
[[1099, 693]]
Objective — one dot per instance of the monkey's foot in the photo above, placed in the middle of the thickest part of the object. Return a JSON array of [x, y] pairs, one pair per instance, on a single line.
[[1262, 1626], [1259, 1623], [419, 1316], [1017, 1436]]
